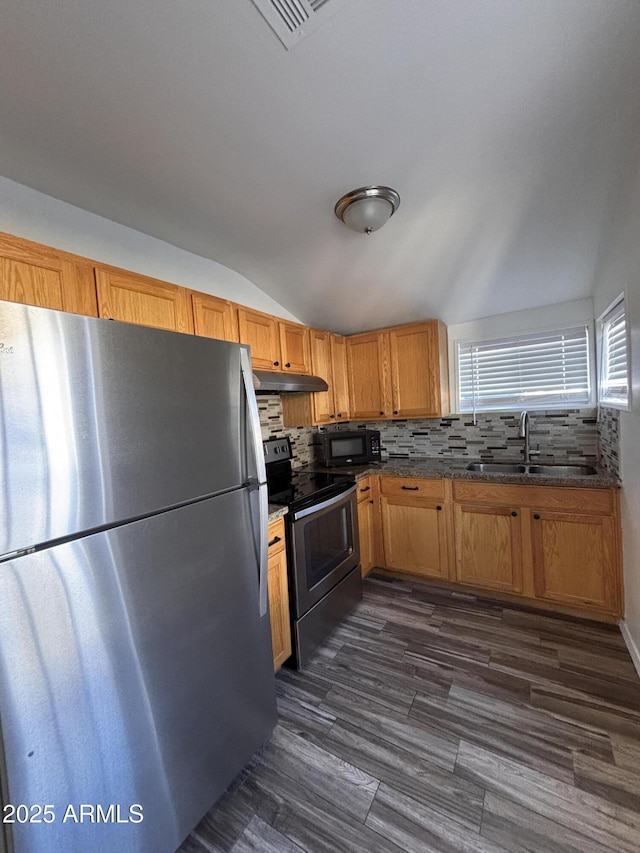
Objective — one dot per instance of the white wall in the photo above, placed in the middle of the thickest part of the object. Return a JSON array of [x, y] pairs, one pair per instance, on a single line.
[[35, 216], [560, 316], [618, 271]]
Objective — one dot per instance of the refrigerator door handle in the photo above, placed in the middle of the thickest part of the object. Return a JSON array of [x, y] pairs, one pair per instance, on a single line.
[[263, 548], [263, 498], [252, 414]]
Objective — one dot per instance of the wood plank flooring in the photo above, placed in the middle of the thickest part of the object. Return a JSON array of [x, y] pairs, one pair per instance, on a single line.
[[438, 721]]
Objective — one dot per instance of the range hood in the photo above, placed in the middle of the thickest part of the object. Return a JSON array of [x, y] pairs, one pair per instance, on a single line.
[[270, 382]]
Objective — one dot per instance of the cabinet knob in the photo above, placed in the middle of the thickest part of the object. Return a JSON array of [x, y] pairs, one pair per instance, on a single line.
[[536, 516], [276, 363], [439, 508], [339, 414], [370, 501], [382, 413], [332, 416], [288, 364], [514, 514], [395, 411]]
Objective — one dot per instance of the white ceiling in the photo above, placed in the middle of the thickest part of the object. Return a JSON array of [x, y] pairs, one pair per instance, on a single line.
[[509, 128]]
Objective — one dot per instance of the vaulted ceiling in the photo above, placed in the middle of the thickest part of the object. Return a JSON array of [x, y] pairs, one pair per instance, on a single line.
[[510, 128]]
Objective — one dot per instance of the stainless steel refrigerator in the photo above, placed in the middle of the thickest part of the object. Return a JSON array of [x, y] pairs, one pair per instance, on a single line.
[[135, 650]]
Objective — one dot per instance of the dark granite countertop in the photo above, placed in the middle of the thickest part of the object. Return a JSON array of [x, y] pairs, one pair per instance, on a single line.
[[437, 467]]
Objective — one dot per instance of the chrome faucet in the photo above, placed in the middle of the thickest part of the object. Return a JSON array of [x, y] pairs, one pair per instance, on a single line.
[[523, 432]]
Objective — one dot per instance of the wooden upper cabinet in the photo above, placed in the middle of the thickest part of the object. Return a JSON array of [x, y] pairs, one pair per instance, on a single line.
[[214, 317], [260, 331], [322, 402], [369, 391], [137, 299], [340, 378], [36, 275], [400, 372], [294, 347], [419, 380], [329, 362]]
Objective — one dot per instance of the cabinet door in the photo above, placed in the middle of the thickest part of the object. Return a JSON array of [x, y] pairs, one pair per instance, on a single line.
[[574, 559], [294, 347], [414, 534], [137, 299], [278, 587], [340, 377], [489, 546], [323, 405], [367, 495], [261, 332], [214, 318], [35, 275], [415, 371], [368, 381]]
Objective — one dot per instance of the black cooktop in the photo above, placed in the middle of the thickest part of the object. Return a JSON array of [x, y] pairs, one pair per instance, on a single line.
[[298, 489], [304, 488]]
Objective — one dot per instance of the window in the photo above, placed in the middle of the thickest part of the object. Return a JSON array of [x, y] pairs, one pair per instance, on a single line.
[[538, 370], [614, 365]]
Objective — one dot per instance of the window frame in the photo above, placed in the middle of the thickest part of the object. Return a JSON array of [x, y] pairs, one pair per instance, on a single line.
[[605, 317], [532, 406]]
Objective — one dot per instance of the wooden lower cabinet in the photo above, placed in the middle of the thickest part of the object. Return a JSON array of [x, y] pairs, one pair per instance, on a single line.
[[574, 559], [488, 544], [368, 523], [278, 585], [551, 544], [414, 526]]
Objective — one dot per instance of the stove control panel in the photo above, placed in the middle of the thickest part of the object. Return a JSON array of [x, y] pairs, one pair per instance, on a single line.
[[277, 449]]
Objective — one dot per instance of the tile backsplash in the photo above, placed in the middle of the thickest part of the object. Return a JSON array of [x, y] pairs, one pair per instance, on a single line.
[[609, 437], [566, 436], [270, 410], [571, 436]]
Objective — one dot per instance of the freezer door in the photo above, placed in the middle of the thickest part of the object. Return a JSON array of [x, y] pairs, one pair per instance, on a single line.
[[134, 670], [103, 421]]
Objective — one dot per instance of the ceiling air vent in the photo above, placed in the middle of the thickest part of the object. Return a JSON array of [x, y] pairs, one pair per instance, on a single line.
[[292, 20]]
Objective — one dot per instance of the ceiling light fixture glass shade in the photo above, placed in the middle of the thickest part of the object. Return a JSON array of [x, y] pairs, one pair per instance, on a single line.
[[367, 209]]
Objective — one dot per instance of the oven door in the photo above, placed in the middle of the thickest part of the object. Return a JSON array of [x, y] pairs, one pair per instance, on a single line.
[[324, 548]]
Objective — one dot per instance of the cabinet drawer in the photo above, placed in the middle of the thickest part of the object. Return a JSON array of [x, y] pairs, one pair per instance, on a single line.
[[412, 487], [599, 501], [276, 536]]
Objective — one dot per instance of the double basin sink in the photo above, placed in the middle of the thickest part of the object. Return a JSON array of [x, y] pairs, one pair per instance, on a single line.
[[550, 470]]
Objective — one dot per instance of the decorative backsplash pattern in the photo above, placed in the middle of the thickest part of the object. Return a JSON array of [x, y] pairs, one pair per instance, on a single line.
[[270, 410], [609, 439], [572, 436], [567, 436]]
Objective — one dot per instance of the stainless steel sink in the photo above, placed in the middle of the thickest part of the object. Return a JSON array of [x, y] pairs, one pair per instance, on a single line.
[[497, 468], [550, 470], [564, 470]]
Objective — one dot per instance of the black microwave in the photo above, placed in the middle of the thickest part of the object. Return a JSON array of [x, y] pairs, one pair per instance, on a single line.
[[349, 447]]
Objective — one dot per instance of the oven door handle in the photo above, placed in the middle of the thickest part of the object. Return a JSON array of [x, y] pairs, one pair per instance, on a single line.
[[336, 499]]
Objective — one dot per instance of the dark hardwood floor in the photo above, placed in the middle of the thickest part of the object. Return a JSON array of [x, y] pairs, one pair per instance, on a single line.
[[434, 721]]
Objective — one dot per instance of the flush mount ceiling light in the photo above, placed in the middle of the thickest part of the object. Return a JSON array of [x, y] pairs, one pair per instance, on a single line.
[[367, 209]]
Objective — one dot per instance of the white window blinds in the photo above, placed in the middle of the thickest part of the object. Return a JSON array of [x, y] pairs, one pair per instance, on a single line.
[[538, 370], [614, 371]]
